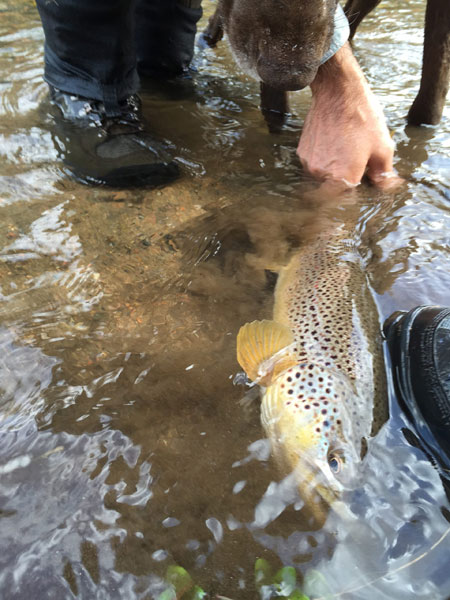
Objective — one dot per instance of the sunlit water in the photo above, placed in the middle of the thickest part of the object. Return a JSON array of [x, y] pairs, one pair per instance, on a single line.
[[123, 446]]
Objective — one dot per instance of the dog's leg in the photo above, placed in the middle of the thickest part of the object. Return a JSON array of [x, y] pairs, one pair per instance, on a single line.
[[428, 106], [356, 10], [274, 103], [274, 107], [214, 30]]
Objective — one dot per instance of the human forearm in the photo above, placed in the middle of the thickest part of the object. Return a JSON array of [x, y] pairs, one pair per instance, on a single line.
[[345, 133]]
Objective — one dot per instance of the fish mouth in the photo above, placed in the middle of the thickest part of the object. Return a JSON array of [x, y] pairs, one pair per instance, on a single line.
[[317, 486]]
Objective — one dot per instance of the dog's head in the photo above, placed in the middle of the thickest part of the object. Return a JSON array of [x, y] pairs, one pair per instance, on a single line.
[[280, 42]]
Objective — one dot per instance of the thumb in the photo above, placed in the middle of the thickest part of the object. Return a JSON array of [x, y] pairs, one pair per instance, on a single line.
[[380, 169]]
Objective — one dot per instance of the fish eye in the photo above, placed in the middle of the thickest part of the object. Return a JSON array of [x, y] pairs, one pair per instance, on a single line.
[[335, 462]]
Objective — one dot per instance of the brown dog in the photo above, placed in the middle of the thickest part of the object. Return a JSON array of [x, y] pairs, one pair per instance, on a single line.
[[281, 43], [267, 34]]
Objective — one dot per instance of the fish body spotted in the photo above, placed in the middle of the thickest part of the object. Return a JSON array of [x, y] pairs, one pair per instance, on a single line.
[[321, 391]]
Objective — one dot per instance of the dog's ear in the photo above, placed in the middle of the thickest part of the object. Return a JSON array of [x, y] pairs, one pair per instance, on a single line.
[[214, 30]]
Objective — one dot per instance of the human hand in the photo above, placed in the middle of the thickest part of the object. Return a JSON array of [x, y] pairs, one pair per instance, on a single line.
[[345, 134]]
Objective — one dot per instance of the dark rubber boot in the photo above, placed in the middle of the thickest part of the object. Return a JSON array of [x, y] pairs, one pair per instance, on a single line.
[[419, 345], [115, 150]]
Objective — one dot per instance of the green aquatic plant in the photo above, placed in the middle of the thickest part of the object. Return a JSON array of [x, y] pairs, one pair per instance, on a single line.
[[281, 584], [269, 583], [181, 586]]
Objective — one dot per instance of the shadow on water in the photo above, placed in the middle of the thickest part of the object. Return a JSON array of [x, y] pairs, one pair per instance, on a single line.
[[124, 445]]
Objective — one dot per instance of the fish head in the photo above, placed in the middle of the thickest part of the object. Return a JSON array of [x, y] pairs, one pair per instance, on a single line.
[[309, 414]]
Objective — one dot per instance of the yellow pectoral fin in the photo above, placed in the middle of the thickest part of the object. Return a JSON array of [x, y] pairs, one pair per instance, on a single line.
[[263, 350]]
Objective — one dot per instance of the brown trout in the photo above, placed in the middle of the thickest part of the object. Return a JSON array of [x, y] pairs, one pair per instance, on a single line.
[[320, 366]]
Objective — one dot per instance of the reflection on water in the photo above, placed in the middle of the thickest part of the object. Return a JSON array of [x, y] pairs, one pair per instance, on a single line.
[[124, 445]]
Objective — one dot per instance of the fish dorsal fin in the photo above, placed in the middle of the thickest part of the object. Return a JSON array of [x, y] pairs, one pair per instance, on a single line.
[[264, 350]]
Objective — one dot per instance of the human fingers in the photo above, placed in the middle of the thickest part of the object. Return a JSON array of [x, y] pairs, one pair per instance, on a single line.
[[380, 169], [334, 165], [387, 181]]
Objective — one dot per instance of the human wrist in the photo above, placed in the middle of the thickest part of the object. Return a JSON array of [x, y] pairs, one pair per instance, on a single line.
[[341, 73]]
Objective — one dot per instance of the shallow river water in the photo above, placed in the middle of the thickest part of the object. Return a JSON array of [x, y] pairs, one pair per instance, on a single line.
[[124, 448]]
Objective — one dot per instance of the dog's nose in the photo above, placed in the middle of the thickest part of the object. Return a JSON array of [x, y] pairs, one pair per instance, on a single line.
[[281, 77]]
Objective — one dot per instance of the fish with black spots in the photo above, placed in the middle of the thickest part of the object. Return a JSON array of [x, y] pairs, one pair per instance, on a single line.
[[320, 366]]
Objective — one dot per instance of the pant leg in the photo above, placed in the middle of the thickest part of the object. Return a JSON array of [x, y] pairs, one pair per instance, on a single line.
[[89, 48], [165, 35]]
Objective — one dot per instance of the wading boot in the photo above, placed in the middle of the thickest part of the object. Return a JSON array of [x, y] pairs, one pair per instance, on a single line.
[[112, 149], [419, 346]]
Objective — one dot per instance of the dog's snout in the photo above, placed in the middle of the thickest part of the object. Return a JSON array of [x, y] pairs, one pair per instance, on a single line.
[[287, 77]]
